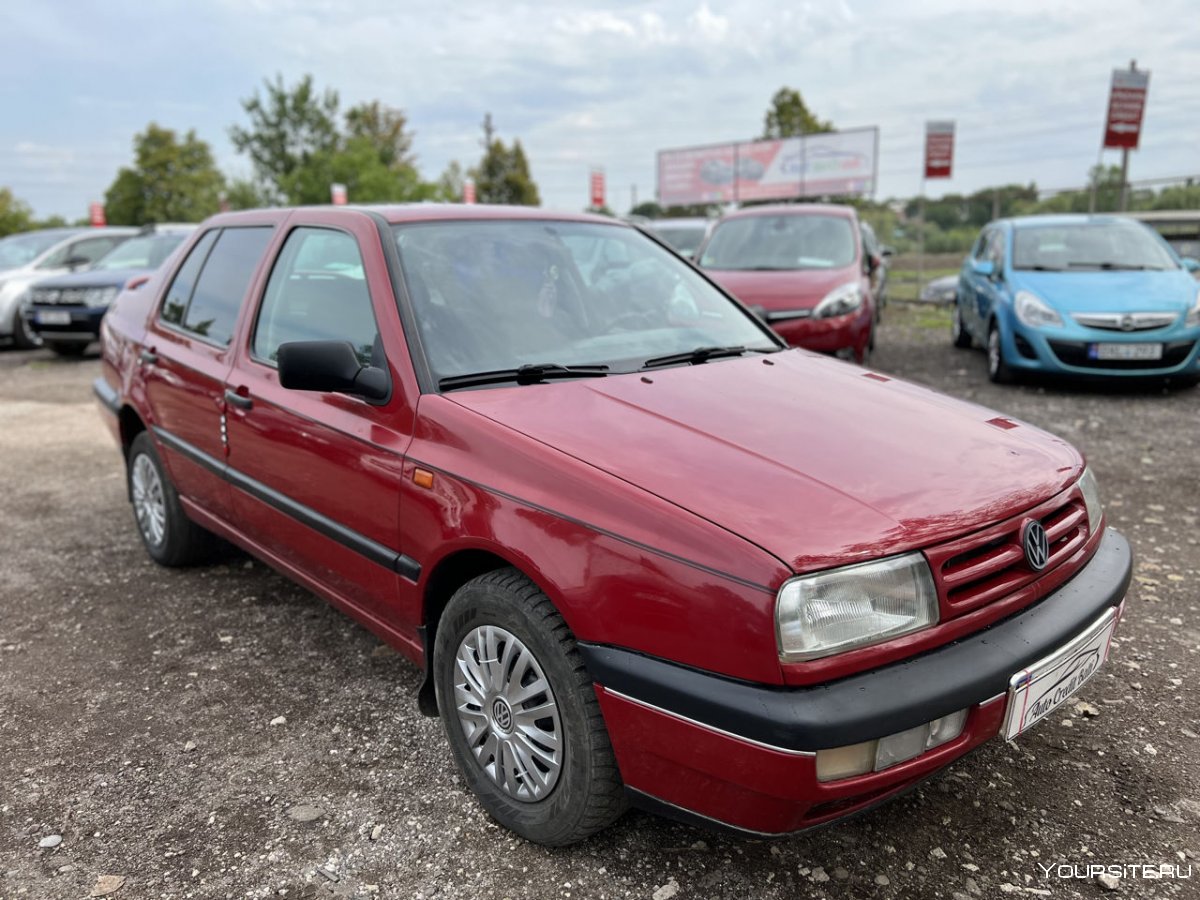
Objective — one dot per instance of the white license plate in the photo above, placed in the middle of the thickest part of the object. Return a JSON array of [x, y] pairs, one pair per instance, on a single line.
[[1125, 351], [52, 317], [1036, 692]]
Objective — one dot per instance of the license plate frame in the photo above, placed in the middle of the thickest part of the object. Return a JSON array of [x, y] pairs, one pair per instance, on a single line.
[[1044, 686], [1139, 352], [52, 317]]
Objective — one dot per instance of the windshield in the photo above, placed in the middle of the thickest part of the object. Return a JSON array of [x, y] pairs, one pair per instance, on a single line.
[[781, 242], [145, 252], [1089, 245], [22, 249], [684, 238], [493, 295]]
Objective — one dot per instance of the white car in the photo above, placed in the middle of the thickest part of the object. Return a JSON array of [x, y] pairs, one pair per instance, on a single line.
[[28, 258]]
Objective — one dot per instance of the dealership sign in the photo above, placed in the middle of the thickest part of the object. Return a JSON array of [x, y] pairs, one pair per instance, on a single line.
[[939, 149], [597, 188], [96, 214], [839, 163], [468, 191], [337, 194], [1126, 104]]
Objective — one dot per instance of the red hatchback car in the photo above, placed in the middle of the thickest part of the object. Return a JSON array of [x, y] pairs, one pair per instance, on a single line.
[[642, 552], [803, 268]]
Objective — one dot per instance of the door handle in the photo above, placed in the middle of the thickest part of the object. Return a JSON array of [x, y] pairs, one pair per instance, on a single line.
[[149, 357], [238, 400]]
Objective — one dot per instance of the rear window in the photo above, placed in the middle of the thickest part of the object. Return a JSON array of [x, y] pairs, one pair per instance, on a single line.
[[208, 305]]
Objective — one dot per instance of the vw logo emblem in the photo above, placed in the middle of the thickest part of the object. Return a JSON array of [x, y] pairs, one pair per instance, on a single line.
[[1035, 544], [1127, 323], [502, 715]]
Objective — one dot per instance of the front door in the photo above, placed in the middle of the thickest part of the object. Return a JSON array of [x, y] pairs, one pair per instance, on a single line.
[[316, 476]]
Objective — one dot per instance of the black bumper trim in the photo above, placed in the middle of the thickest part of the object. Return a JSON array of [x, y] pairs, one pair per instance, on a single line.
[[106, 395], [881, 701]]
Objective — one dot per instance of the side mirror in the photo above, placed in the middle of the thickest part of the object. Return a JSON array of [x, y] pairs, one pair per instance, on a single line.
[[330, 366], [984, 268], [77, 262], [1191, 264]]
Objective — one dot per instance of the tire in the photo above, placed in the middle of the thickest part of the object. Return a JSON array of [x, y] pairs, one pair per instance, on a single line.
[[959, 336], [67, 348], [503, 615], [23, 337], [170, 537], [999, 371], [1185, 382]]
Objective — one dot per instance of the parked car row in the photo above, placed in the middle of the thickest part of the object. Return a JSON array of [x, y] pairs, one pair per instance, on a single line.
[[642, 551], [56, 284]]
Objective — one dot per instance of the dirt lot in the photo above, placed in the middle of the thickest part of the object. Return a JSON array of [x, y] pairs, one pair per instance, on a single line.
[[142, 711]]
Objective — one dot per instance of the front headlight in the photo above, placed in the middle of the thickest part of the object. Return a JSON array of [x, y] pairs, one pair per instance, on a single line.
[[1033, 312], [854, 606], [840, 301], [1091, 499], [1193, 316], [99, 296]]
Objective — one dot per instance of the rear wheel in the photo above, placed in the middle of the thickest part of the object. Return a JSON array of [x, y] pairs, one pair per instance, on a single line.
[[170, 537], [998, 370], [959, 335], [521, 714]]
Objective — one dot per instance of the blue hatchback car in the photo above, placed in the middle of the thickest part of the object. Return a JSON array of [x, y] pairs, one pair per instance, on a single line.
[[1079, 295]]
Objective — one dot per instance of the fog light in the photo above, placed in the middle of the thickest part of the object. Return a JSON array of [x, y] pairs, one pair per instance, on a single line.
[[901, 747], [875, 756], [842, 762]]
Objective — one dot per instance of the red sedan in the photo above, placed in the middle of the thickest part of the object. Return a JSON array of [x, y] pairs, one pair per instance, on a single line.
[[643, 552], [804, 269]]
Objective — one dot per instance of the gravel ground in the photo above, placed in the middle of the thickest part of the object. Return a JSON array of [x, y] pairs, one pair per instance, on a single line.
[[218, 732]]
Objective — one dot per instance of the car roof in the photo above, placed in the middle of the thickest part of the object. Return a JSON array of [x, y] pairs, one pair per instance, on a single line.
[[682, 221], [793, 209], [64, 232], [1060, 219], [399, 213]]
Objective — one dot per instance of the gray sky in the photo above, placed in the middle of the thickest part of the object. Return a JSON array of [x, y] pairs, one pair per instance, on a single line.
[[584, 84]]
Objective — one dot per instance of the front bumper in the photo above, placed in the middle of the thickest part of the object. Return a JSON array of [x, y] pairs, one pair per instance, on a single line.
[[84, 324], [849, 334], [1066, 350], [743, 755]]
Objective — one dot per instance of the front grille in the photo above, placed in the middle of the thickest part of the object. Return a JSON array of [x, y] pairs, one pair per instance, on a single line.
[[57, 296], [1126, 321], [1075, 354], [984, 567]]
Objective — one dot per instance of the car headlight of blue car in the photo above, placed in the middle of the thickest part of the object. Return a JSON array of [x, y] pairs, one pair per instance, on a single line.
[[1032, 311]]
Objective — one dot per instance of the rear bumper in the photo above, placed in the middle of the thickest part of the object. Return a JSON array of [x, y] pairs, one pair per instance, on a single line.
[[743, 755]]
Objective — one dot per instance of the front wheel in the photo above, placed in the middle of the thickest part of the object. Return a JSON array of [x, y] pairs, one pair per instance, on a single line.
[[24, 337], [521, 714], [959, 335], [999, 371]]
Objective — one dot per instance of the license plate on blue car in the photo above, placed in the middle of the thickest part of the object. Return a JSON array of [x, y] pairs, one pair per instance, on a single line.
[[1125, 351]]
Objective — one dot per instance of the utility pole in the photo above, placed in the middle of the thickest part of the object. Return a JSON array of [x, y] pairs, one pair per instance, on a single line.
[[1122, 205]]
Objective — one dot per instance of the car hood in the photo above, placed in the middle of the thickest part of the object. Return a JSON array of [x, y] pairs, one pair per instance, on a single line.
[[93, 278], [1115, 291], [816, 461], [794, 289]]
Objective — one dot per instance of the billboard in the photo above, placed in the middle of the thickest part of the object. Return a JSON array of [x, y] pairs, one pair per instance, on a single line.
[[939, 149], [1126, 104], [840, 163]]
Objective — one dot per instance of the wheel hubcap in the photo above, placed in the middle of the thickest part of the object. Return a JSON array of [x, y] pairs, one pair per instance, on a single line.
[[148, 503], [507, 713]]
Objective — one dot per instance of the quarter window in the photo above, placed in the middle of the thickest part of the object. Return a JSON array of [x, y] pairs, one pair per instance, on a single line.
[[180, 291], [317, 292]]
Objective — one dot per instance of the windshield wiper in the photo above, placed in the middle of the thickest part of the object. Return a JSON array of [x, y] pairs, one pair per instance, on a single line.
[[527, 374], [701, 355], [1040, 268], [1110, 266]]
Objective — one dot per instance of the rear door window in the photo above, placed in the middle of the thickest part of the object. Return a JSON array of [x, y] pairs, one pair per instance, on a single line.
[[180, 291], [217, 293], [317, 292]]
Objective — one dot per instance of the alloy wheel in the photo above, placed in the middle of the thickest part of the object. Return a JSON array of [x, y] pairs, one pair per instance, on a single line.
[[508, 713], [149, 504]]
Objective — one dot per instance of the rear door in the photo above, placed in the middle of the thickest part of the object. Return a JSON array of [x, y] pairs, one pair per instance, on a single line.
[[186, 357], [316, 476]]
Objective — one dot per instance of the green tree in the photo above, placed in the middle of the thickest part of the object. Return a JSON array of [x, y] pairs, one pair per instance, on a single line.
[[449, 186], [503, 174], [171, 180], [15, 215], [385, 128], [289, 129], [649, 208], [357, 165], [242, 193], [788, 116]]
